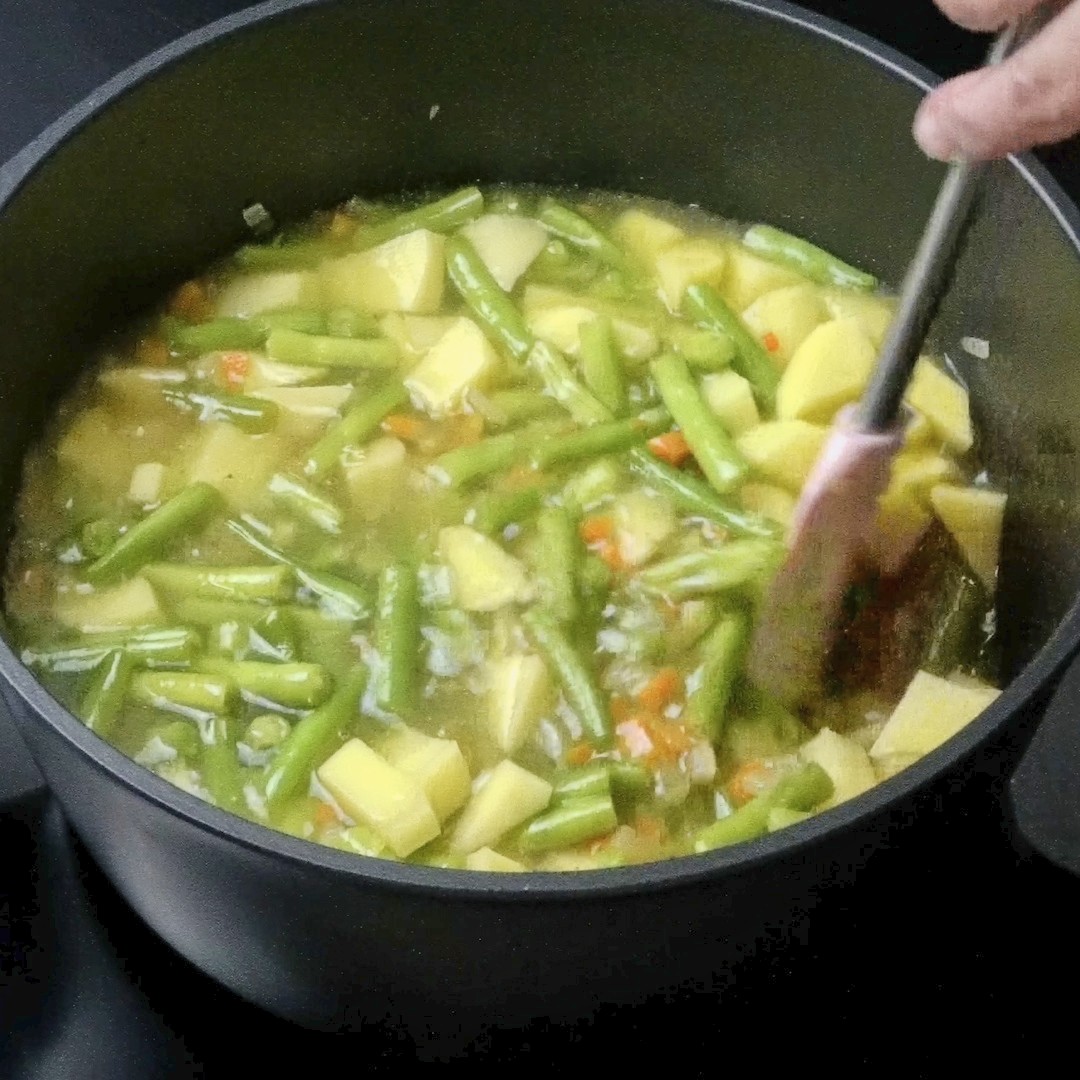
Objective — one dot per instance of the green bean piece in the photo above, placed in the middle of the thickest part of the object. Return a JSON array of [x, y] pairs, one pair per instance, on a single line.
[[569, 669], [587, 781], [721, 659], [808, 786], [441, 216], [601, 365], [593, 484], [169, 647], [149, 538], [104, 697], [734, 565], [494, 510], [318, 350], [306, 502], [567, 225], [712, 446], [572, 821], [266, 731], [181, 736], [250, 414], [563, 386], [706, 350], [220, 770], [274, 637], [360, 421], [556, 554], [458, 467], [505, 408], [495, 310], [397, 638], [251, 584], [210, 612], [302, 320], [347, 323], [704, 306], [810, 260], [295, 686], [297, 255], [629, 780], [338, 598], [962, 610], [692, 496], [96, 537], [312, 736], [599, 439], [213, 336], [189, 693]]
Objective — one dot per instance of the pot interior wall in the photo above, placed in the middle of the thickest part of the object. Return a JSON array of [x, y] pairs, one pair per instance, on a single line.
[[700, 103]]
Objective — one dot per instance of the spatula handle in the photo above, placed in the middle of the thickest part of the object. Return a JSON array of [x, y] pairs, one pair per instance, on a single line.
[[927, 276]]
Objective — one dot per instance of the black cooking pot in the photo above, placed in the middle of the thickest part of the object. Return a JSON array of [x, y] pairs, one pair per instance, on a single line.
[[755, 110]]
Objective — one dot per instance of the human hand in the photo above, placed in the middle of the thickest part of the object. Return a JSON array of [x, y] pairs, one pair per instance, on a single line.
[[1033, 98]]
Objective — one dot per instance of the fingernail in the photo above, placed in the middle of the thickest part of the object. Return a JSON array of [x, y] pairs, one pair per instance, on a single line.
[[935, 138]]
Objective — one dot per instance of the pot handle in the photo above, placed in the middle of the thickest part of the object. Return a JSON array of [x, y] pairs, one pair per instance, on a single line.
[[1042, 791]]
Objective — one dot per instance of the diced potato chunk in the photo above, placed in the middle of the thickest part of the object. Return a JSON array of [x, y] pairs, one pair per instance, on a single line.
[[974, 517], [245, 296], [731, 397], [783, 451], [931, 711], [374, 476], [844, 760], [691, 262], [829, 369], [917, 471], [462, 359], [119, 607], [644, 235], [556, 317], [492, 861], [415, 333], [901, 522], [509, 796], [875, 313], [485, 577], [319, 402], [372, 792], [750, 276], [507, 244], [146, 482], [404, 274], [235, 463], [770, 501], [642, 523], [521, 692], [789, 314], [437, 765], [944, 402]]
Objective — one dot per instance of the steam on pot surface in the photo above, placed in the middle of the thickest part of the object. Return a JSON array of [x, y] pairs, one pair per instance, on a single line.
[[434, 531]]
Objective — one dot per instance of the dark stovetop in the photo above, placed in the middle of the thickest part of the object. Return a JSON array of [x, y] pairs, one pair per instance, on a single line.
[[961, 973]]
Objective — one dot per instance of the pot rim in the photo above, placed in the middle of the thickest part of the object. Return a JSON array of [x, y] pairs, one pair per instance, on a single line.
[[794, 842]]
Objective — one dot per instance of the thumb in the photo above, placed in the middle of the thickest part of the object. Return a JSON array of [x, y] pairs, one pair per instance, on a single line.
[[1031, 99]]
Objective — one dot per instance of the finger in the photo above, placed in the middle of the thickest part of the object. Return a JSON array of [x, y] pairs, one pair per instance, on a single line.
[[986, 15], [1031, 99]]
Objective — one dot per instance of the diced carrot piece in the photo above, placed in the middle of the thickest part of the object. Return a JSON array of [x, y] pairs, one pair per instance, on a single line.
[[151, 352], [610, 553], [670, 740], [621, 709], [671, 447], [650, 828], [660, 690], [325, 816], [597, 530], [403, 426], [749, 780], [581, 754], [191, 302], [771, 341], [233, 370]]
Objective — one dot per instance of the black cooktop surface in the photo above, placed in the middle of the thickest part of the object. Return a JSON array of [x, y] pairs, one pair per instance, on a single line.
[[962, 963]]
